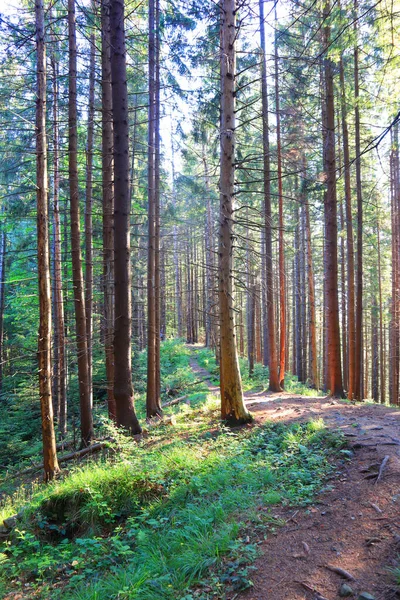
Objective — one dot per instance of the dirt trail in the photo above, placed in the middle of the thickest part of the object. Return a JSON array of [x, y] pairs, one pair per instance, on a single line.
[[354, 525]]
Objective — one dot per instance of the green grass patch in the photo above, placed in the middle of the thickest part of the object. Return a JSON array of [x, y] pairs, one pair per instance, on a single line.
[[167, 517]]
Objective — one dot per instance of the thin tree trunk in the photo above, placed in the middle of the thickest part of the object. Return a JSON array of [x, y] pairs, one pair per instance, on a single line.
[[44, 345], [282, 274], [381, 340], [178, 290], [88, 215], [59, 325], [153, 404], [3, 247], [375, 350], [358, 378], [312, 320], [156, 406], [269, 274], [395, 321], [77, 275], [233, 409], [297, 324], [263, 300], [123, 389], [350, 243], [108, 206], [258, 324]]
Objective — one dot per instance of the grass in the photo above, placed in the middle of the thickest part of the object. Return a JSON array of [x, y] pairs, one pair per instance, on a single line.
[[159, 520], [178, 515]]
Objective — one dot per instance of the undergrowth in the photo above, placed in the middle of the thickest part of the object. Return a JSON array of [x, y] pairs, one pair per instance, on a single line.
[[176, 516], [169, 518], [258, 379]]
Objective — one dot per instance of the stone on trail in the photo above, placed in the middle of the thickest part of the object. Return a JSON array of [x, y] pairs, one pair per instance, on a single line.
[[366, 596], [345, 591]]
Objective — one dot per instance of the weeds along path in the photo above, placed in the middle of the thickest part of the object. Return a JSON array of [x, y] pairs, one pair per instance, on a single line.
[[351, 535]]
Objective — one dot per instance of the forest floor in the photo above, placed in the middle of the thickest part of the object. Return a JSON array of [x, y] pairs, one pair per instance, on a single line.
[[354, 525], [297, 505]]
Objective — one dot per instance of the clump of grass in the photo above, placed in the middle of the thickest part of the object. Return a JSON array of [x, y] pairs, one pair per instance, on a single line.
[[174, 512]]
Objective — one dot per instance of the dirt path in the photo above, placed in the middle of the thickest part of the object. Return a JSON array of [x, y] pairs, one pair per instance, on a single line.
[[354, 525]]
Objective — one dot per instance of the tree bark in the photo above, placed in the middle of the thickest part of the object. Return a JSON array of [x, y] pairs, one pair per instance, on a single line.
[[351, 326], [77, 275], [233, 409], [88, 215], [44, 346], [107, 145], [123, 389], [269, 275], [330, 212], [59, 325], [3, 248], [358, 377], [282, 274], [153, 403], [381, 339]]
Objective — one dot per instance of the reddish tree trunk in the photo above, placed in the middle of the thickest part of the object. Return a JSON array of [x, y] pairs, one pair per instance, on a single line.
[[330, 212]]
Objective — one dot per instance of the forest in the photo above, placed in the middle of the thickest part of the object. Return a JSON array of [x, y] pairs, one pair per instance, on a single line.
[[200, 299]]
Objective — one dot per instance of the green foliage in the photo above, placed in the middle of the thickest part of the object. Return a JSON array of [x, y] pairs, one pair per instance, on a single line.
[[259, 378], [166, 515], [176, 373]]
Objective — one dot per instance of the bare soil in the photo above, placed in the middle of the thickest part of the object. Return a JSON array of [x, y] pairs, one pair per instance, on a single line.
[[354, 525]]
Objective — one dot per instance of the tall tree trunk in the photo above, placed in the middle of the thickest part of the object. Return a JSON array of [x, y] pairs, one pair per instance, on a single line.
[[297, 324], [156, 407], [107, 145], [59, 325], [282, 274], [395, 320], [88, 215], [351, 323], [77, 275], [44, 345], [330, 212], [233, 408], [381, 340], [269, 274], [3, 247], [250, 307], [312, 320], [178, 290], [263, 300], [358, 378], [153, 405], [258, 324], [375, 350], [123, 390]]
